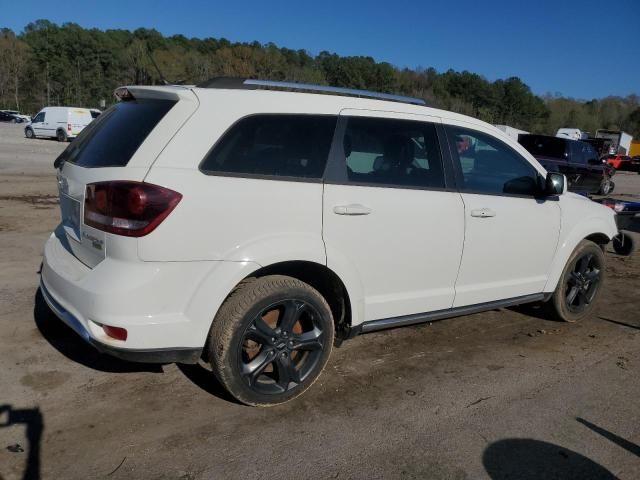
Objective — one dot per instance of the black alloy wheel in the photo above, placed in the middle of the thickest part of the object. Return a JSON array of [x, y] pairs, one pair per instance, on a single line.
[[580, 284], [281, 347], [270, 339], [583, 282]]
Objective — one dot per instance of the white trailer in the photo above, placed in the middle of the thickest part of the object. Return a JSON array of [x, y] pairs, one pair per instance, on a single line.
[[620, 141]]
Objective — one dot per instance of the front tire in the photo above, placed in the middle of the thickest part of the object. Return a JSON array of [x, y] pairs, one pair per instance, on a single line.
[[270, 340], [606, 187], [28, 132], [580, 284]]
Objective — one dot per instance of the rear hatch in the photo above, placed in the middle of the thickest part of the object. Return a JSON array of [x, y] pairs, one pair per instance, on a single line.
[[120, 145]]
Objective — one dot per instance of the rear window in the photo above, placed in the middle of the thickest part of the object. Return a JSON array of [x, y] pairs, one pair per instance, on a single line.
[[274, 145], [113, 138], [543, 146]]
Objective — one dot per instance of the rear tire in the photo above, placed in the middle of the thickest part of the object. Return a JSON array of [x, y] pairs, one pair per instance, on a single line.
[[580, 283], [61, 136], [270, 340], [28, 132]]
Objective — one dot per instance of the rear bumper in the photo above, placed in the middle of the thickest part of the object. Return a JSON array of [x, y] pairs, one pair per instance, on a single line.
[[159, 355], [166, 307]]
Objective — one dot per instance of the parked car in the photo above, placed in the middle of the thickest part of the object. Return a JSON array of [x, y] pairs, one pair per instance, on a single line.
[[62, 123], [13, 116], [627, 219], [576, 159], [252, 227], [623, 163]]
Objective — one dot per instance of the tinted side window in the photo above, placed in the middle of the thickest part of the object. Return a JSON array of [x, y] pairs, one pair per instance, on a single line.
[[39, 118], [392, 152], [577, 153], [590, 154], [275, 145], [490, 166]]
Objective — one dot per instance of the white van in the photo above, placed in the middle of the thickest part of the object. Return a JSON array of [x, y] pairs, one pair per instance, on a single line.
[[63, 123]]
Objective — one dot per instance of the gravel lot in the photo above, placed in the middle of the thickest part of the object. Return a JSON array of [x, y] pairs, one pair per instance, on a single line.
[[502, 394]]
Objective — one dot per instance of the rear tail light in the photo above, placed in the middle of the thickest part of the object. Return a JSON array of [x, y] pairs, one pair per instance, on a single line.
[[132, 209], [68, 126]]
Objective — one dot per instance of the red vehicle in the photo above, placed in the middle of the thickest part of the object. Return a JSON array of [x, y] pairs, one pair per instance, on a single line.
[[623, 163]]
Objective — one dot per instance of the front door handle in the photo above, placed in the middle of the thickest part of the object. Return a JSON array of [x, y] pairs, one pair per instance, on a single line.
[[351, 209], [483, 213]]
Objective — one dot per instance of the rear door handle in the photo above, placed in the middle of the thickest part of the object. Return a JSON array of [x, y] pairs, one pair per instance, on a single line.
[[352, 209], [483, 213]]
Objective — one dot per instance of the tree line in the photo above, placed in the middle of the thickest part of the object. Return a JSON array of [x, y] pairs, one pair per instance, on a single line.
[[50, 64]]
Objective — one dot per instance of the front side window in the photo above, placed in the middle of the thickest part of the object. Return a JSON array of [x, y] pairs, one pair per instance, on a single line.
[[590, 154], [392, 152], [274, 145], [39, 118], [578, 153], [490, 166]]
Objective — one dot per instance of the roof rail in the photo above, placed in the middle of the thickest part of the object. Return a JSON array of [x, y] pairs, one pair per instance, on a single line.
[[251, 84]]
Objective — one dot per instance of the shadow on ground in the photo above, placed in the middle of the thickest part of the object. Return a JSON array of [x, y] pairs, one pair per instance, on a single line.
[[527, 459], [206, 380], [612, 437], [69, 343], [32, 419]]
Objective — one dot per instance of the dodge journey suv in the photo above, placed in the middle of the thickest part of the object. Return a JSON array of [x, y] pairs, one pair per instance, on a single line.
[[252, 225]]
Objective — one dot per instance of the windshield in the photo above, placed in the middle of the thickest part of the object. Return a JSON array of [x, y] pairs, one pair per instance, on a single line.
[[543, 146], [111, 139]]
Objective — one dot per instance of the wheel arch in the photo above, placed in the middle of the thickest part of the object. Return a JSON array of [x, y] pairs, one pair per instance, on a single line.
[[212, 292], [324, 280], [595, 230]]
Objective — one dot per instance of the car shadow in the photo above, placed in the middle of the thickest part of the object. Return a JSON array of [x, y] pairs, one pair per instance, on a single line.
[[528, 459], [33, 421], [206, 380], [66, 341], [536, 310]]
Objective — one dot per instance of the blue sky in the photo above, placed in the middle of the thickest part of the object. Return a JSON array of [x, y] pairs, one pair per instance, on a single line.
[[583, 49]]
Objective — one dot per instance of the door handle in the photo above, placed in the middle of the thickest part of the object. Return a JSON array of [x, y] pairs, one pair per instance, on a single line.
[[352, 209], [483, 213]]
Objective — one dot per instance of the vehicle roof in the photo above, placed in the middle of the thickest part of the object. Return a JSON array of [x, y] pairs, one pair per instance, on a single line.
[[65, 108], [276, 101]]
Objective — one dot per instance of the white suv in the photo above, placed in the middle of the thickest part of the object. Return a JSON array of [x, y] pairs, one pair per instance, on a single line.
[[252, 227]]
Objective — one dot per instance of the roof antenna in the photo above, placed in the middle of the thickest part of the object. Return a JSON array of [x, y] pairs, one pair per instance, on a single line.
[[162, 79]]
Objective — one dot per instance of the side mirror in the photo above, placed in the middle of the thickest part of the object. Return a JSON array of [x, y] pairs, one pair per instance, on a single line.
[[554, 184]]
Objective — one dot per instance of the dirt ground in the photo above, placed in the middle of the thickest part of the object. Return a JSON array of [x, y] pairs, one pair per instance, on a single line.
[[502, 394]]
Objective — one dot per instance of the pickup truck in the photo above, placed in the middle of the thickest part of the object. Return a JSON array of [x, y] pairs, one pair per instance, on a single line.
[[576, 159]]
